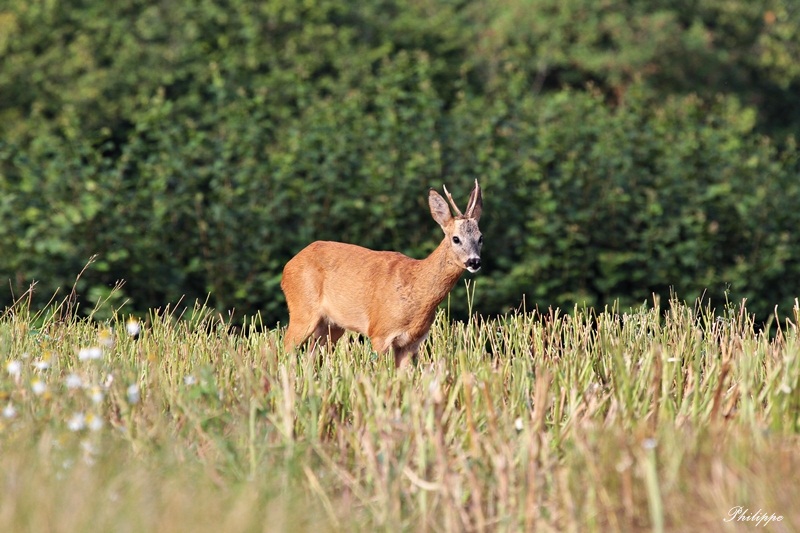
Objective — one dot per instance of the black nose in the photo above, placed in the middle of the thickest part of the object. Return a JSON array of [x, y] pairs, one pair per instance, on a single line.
[[474, 262]]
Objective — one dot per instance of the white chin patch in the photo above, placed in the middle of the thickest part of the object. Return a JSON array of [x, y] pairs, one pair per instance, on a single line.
[[473, 270]]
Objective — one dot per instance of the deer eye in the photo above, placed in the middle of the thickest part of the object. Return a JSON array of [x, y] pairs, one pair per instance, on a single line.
[[456, 240]]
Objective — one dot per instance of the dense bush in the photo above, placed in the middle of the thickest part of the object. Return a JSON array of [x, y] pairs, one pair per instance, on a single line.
[[195, 147], [622, 203]]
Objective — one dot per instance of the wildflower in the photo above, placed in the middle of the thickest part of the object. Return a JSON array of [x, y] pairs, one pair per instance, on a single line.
[[106, 337], [9, 411], [132, 327], [87, 446], [86, 354], [94, 422], [41, 365], [14, 368], [76, 422], [89, 452], [518, 424], [133, 394], [190, 380], [96, 394], [649, 444], [38, 387], [74, 381]]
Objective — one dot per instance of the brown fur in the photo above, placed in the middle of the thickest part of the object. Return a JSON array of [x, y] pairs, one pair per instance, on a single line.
[[331, 287]]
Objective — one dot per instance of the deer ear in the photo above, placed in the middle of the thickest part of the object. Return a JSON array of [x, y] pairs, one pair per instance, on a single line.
[[475, 204], [440, 211]]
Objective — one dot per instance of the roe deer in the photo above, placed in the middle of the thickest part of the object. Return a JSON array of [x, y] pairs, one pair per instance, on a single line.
[[331, 287]]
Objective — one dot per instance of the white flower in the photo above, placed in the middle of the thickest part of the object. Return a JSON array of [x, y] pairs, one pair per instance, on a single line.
[[87, 446], [94, 422], [133, 394], [89, 450], [38, 387], [96, 394], [76, 422], [86, 354], [133, 327], [518, 424], [14, 368], [74, 381], [41, 365], [190, 380], [9, 411]]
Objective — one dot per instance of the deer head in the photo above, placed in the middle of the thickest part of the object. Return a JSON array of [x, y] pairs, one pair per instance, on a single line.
[[461, 231]]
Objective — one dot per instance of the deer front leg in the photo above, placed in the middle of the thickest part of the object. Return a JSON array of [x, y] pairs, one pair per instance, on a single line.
[[404, 356], [383, 346]]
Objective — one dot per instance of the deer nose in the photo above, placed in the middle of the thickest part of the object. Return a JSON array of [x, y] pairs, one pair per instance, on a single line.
[[474, 264]]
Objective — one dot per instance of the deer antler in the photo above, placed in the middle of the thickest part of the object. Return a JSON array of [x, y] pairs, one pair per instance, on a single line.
[[474, 198], [450, 199]]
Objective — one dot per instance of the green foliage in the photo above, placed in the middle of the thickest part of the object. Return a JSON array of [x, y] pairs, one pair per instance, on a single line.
[[624, 148], [702, 47], [622, 203]]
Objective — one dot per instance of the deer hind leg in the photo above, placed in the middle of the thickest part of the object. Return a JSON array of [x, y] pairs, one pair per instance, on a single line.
[[324, 333], [301, 288], [295, 336], [318, 330], [301, 327]]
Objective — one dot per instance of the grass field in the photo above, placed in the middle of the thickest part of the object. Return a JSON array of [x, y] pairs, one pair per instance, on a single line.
[[669, 417]]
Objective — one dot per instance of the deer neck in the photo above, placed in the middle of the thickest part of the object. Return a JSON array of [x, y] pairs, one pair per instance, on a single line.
[[438, 273]]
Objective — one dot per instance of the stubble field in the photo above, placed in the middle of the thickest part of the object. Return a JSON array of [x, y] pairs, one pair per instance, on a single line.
[[669, 417]]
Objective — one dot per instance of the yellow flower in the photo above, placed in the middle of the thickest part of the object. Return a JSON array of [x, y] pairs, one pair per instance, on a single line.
[[94, 422], [106, 337], [96, 394]]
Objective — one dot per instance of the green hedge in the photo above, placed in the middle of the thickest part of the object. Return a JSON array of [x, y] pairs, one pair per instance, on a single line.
[[195, 148]]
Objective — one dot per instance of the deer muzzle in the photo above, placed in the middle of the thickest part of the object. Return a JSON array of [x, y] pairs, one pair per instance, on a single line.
[[473, 264]]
